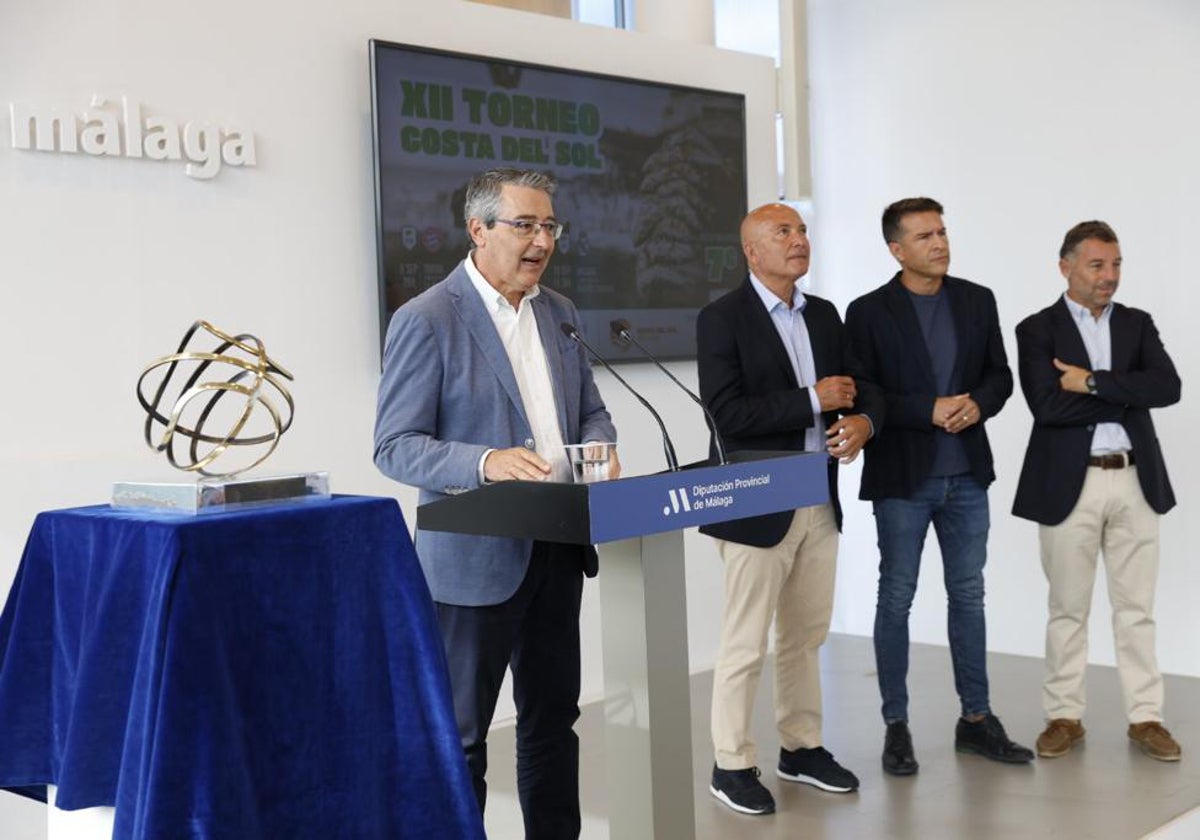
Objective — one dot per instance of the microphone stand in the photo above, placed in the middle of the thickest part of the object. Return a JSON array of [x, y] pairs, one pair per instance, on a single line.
[[668, 447], [621, 328]]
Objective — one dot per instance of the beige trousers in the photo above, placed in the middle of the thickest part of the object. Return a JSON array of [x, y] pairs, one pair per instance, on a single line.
[[792, 583], [1111, 517]]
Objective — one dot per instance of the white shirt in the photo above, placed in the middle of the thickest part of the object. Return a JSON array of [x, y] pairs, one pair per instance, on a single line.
[[1097, 338], [522, 342], [789, 323]]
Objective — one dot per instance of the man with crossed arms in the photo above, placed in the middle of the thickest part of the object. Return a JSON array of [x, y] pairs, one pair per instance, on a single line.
[[1095, 481]]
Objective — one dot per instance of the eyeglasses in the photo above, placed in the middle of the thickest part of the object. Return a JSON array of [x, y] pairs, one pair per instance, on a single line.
[[526, 229]]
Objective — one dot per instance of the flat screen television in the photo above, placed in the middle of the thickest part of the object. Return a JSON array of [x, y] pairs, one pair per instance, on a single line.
[[652, 184]]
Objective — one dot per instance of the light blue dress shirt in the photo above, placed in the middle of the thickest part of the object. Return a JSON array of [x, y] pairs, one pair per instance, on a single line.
[[1097, 338], [789, 323]]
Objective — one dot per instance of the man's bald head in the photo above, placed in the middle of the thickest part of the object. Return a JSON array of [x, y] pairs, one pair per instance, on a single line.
[[775, 242]]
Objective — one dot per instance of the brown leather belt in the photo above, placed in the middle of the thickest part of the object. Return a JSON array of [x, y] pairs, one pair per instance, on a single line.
[[1112, 461]]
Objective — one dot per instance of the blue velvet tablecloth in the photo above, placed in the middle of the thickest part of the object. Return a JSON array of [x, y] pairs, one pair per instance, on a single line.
[[265, 673]]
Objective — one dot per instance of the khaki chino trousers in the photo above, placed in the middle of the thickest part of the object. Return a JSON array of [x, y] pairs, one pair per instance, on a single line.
[[792, 584], [1111, 518]]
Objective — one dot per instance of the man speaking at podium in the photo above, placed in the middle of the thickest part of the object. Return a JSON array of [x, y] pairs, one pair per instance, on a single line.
[[480, 385], [773, 371]]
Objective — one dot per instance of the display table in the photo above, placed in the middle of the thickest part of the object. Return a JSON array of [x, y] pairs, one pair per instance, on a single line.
[[270, 672]]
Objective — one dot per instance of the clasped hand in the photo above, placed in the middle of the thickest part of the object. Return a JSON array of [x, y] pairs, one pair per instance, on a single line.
[[836, 392], [953, 414], [846, 438]]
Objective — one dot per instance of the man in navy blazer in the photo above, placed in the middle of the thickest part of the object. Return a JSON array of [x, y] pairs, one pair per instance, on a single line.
[[480, 385], [1095, 481], [932, 343], [774, 373]]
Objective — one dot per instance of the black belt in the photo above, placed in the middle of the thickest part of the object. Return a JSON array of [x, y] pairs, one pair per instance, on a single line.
[[1112, 461]]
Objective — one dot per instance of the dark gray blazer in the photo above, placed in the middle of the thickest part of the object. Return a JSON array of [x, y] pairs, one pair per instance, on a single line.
[[447, 395]]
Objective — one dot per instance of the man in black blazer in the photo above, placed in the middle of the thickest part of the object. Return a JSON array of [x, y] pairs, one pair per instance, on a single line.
[[932, 344], [1095, 480], [773, 372]]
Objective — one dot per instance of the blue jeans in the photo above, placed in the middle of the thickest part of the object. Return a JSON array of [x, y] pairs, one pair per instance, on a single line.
[[958, 508]]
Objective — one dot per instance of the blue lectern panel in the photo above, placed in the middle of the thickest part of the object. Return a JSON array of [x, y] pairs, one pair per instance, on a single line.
[[671, 501]]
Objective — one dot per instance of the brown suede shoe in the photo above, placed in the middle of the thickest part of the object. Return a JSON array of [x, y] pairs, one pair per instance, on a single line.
[[1059, 736], [1155, 740]]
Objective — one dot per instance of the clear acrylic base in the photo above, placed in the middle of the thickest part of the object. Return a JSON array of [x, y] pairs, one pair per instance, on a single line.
[[213, 494]]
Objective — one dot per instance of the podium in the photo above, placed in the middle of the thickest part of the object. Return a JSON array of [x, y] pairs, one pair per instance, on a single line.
[[638, 525]]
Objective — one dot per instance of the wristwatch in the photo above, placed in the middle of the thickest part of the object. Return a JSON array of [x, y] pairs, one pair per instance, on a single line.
[[1090, 384]]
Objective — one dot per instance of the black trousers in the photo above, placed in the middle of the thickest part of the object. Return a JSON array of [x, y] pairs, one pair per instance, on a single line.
[[536, 633]]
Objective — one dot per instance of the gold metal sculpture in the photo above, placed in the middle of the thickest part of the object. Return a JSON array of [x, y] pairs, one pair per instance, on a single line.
[[254, 377]]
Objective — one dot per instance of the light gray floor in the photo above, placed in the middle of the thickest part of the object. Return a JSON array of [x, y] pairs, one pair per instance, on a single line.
[[1104, 789], [21, 818]]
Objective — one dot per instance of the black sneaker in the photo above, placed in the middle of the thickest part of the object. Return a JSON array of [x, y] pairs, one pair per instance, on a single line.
[[742, 791], [898, 757], [987, 737], [815, 767]]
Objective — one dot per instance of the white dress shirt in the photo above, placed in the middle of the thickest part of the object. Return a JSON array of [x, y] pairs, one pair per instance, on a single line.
[[522, 342]]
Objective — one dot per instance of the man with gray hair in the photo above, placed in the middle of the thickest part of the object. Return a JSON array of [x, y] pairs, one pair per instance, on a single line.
[[480, 385], [1095, 480]]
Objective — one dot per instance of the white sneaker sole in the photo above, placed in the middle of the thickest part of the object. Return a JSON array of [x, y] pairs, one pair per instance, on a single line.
[[815, 782], [741, 809]]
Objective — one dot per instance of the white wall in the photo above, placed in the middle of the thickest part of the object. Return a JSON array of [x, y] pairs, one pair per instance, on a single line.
[[1022, 117], [106, 261]]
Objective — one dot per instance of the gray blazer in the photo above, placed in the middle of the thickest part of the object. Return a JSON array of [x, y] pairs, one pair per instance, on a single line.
[[447, 395]]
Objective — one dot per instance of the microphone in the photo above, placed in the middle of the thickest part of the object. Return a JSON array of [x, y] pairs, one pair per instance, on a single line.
[[620, 328], [668, 447]]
